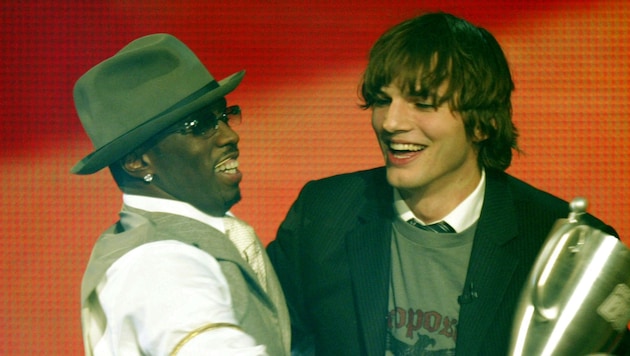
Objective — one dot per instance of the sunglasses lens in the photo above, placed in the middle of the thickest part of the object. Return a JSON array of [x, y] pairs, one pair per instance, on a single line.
[[206, 126], [206, 122]]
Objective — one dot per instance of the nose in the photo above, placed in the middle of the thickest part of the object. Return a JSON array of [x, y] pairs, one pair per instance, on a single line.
[[395, 117], [226, 135]]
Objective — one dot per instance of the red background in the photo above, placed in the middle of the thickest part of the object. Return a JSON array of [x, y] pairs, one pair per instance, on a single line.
[[301, 120]]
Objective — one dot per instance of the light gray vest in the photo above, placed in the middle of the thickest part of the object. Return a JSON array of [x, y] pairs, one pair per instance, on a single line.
[[263, 315]]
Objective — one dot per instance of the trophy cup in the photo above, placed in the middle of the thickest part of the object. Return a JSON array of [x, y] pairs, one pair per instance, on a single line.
[[576, 300]]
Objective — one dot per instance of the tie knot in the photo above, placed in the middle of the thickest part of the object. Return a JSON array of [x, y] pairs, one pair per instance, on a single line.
[[441, 227], [244, 238], [241, 234]]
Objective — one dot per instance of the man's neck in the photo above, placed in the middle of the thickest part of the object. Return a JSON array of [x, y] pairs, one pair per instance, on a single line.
[[433, 205]]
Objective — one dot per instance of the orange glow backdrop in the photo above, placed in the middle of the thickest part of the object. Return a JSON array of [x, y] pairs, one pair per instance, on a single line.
[[301, 121]]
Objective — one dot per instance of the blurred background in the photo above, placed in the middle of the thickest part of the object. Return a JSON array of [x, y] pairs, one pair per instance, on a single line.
[[301, 118]]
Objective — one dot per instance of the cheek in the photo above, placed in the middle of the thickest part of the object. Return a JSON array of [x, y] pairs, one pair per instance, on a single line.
[[377, 127], [446, 127], [460, 147], [181, 154], [378, 117], [176, 167]]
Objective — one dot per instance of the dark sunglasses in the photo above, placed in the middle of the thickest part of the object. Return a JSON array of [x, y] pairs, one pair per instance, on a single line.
[[206, 123]]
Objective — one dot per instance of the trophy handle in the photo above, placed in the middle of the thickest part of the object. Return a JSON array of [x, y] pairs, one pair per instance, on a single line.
[[560, 236], [576, 299]]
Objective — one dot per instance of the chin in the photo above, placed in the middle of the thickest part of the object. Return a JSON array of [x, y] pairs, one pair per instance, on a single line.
[[399, 178], [229, 202]]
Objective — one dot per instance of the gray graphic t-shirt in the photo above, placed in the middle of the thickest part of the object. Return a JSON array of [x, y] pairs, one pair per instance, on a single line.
[[428, 274]]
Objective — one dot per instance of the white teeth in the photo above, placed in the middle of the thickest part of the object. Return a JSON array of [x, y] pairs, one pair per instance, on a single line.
[[228, 166], [406, 147]]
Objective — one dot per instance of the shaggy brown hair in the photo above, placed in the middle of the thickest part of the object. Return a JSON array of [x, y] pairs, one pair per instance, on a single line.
[[424, 52]]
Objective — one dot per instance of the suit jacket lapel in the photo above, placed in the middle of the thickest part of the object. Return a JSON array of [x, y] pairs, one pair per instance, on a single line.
[[369, 257], [491, 265], [490, 271]]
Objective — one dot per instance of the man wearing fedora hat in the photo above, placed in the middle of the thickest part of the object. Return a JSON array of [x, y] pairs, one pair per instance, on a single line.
[[178, 273]]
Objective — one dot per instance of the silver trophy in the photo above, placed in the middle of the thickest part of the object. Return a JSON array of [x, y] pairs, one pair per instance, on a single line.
[[576, 300]]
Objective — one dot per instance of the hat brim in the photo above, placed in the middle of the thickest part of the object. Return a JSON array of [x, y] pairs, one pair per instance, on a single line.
[[124, 144]]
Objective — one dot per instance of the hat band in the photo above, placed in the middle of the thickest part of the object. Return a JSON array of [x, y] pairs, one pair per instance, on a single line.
[[192, 97]]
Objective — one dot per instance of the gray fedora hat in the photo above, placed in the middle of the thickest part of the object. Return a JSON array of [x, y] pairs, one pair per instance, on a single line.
[[147, 86]]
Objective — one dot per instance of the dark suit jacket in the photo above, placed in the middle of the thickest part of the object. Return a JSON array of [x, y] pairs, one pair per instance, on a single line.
[[332, 256]]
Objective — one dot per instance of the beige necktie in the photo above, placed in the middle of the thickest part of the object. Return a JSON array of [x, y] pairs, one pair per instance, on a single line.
[[246, 242]]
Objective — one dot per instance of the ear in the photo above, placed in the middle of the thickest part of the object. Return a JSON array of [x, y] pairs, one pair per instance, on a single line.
[[136, 165], [480, 135]]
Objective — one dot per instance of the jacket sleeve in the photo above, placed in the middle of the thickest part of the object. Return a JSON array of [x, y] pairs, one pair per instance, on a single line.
[[284, 253]]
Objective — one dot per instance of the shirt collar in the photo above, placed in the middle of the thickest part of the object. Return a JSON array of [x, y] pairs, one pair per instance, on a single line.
[[460, 218], [159, 205]]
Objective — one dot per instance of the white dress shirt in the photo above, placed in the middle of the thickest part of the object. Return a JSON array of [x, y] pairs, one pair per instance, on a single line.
[[460, 218], [141, 296]]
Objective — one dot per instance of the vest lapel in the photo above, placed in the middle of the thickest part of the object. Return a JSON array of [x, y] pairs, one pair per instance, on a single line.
[[277, 299], [215, 243]]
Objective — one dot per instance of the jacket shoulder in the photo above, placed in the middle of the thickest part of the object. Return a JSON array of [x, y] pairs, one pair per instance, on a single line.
[[525, 192], [537, 201], [363, 178]]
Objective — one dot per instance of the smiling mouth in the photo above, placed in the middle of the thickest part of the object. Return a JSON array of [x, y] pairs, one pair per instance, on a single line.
[[402, 150], [228, 166]]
